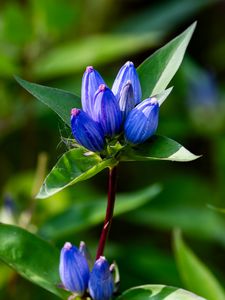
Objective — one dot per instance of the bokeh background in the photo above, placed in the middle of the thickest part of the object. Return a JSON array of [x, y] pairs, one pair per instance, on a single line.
[[51, 42]]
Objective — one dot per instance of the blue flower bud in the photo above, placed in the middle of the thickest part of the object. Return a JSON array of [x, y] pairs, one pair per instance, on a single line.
[[90, 83], [101, 283], [107, 111], [142, 121], [127, 72], [85, 252], [126, 101], [87, 132], [73, 269]]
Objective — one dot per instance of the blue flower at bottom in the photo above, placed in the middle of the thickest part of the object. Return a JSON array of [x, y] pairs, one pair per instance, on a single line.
[[76, 276], [73, 269], [101, 284]]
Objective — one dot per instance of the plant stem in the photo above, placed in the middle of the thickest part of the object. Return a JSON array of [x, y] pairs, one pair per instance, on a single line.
[[109, 211]]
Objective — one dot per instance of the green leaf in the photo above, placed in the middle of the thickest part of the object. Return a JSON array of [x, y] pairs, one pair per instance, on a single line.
[[31, 257], [195, 274], [74, 166], [157, 148], [93, 50], [157, 292], [156, 72], [86, 214], [162, 96], [58, 100]]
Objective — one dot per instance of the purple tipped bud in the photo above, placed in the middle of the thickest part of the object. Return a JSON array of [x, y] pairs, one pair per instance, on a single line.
[[101, 283], [90, 83], [127, 72], [107, 111], [87, 132], [126, 101], [142, 121], [73, 269]]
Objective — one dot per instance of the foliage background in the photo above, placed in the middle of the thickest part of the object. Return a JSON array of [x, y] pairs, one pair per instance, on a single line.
[[51, 42]]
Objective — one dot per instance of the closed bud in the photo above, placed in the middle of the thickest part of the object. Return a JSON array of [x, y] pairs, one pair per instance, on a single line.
[[126, 101], [85, 252], [90, 83], [73, 269], [101, 283], [127, 73], [107, 111], [142, 121], [87, 132]]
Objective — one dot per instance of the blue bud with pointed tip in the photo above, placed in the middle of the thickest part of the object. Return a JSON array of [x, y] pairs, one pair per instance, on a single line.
[[107, 111], [126, 100], [73, 269], [90, 83], [101, 283], [127, 72], [87, 132], [142, 121], [85, 252]]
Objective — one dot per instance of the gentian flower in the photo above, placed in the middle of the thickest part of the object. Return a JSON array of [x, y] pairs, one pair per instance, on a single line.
[[127, 72], [106, 113], [77, 278], [126, 100], [101, 284], [86, 131], [73, 269], [142, 121], [90, 83]]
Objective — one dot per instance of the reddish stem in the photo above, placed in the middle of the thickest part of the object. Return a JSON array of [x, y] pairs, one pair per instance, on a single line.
[[109, 210]]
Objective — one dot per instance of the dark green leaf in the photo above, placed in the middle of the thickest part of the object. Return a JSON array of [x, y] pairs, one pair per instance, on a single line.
[[196, 276], [74, 166], [157, 148], [86, 214], [58, 100], [31, 257], [157, 292], [156, 72]]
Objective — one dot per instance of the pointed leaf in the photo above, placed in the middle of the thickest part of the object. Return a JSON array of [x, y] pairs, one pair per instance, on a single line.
[[158, 292], [157, 148], [74, 166], [156, 72], [196, 276], [86, 214], [162, 96], [58, 100], [31, 257]]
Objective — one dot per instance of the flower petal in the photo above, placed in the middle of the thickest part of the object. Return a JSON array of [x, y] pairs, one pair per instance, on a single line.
[[73, 269], [126, 101], [127, 72], [101, 283], [90, 83], [87, 132], [106, 111], [142, 121]]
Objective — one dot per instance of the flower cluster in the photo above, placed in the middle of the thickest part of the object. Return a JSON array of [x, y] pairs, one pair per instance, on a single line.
[[76, 277], [108, 113]]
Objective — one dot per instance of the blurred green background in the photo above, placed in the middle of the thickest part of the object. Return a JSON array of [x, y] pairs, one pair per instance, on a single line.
[[51, 42]]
